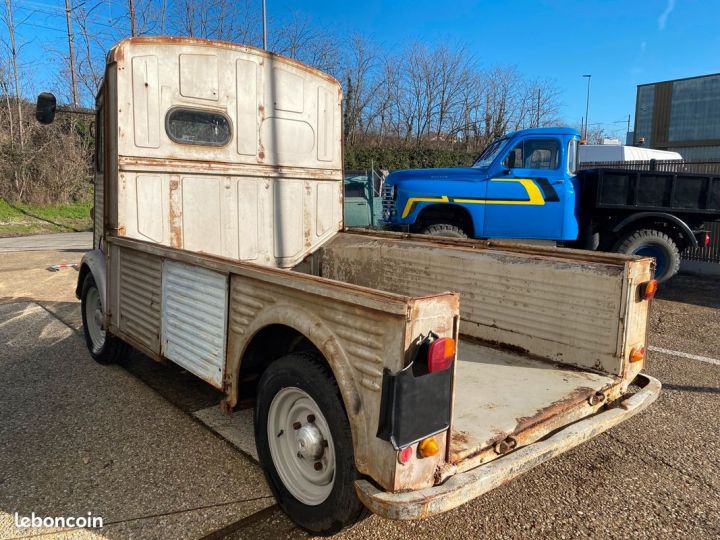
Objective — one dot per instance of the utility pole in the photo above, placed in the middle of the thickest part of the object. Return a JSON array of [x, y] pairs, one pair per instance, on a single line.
[[131, 9], [587, 106], [13, 52], [537, 123], [71, 51], [264, 26]]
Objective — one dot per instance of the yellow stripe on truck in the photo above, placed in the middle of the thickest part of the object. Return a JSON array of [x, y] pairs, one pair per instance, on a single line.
[[535, 196]]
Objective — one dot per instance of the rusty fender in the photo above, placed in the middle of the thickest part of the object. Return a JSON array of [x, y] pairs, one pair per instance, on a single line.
[[466, 486]]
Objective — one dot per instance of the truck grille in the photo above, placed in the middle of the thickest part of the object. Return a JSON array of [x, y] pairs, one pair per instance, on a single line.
[[388, 202]]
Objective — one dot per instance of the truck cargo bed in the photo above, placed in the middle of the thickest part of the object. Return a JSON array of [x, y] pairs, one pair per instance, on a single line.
[[499, 393]]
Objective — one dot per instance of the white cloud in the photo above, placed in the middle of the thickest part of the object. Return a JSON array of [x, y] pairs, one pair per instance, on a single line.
[[662, 19]]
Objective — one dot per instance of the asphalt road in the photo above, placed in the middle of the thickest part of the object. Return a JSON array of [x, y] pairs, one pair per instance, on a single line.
[[122, 441]]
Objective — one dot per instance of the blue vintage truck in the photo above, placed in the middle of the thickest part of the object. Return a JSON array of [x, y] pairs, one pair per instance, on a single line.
[[526, 186]]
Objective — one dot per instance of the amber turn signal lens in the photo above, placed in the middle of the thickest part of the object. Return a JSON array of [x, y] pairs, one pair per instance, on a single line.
[[649, 289], [636, 355], [428, 447]]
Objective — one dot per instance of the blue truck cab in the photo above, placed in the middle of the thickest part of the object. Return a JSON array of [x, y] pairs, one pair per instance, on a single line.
[[523, 185]]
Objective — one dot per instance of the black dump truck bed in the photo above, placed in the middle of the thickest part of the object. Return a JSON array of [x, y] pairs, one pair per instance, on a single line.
[[651, 191]]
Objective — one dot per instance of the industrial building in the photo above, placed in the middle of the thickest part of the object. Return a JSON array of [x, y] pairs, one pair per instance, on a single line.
[[681, 115]]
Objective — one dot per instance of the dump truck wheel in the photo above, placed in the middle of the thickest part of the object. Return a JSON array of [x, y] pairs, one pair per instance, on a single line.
[[104, 348], [445, 229], [653, 243], [305, 446]]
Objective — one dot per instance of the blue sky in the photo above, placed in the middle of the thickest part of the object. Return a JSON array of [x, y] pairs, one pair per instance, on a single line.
[[621, 44]]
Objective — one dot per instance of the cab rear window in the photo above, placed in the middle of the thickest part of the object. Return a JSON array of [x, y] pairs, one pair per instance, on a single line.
[[194, 126]]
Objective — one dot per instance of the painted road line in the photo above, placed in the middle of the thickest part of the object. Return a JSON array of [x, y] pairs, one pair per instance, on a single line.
[[705, 359]]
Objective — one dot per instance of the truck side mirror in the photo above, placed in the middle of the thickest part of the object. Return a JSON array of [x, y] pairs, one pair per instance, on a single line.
[[45, 108]]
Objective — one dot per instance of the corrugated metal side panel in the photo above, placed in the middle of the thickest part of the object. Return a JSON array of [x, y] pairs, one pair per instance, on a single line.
[[194, 308], [361, 333], [98, 212], [564, 310], [139, 297]]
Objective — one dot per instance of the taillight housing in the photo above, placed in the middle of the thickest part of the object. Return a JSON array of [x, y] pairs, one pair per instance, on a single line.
[[706, 240], [441, 354], [648, 289]]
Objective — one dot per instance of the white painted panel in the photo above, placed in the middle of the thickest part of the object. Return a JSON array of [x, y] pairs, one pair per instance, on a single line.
[[324, 207], [201, 215], [150, 206], [289, 211], [146, 113], [248, 219], [287, 140], [199, 76], [326, 121], [194, 314], [247, 107], [288, 90]]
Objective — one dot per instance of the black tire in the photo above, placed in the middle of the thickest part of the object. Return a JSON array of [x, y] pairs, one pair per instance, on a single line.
[[342, 507], [112, 349], [445, 229], [652, 243]]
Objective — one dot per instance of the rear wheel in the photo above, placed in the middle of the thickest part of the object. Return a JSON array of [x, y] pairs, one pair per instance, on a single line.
[[652, 243], [104, 348], [305, 446], [445, 229]]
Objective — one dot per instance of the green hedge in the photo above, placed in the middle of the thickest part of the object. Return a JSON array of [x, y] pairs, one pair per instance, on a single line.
[[404, 157]]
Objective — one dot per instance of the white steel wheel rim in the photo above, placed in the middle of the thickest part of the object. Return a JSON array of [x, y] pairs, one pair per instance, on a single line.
[[94, 318], [301, 446]]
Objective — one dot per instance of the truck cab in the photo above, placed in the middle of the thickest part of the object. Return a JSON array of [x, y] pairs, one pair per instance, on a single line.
[[521, 186], [527, 185]]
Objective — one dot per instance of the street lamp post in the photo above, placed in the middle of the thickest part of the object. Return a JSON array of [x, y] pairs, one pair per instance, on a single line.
[[587, 106], [264, 28]]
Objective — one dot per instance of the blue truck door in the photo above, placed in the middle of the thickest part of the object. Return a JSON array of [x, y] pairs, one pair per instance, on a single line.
[[526, 198]]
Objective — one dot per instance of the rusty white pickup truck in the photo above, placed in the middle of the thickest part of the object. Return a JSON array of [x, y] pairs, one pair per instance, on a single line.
[[397, 373]]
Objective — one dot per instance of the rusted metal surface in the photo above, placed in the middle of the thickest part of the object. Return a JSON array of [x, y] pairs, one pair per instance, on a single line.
[[268, 194], [500, 394], [563, 309], [358, 330], [466, 486], [135, 285]]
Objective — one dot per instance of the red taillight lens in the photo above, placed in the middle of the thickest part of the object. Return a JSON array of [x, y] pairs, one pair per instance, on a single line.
[[636, 355], [441, 354], [706, 241], [405, 455], [649, 288]]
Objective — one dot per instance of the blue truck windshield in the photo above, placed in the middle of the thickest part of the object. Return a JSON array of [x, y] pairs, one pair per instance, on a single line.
[[490, 153]]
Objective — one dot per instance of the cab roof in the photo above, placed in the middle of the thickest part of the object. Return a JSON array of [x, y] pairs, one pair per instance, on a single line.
[[545, 131]]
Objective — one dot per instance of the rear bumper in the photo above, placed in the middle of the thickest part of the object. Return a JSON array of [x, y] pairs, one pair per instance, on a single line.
[[466, 486]]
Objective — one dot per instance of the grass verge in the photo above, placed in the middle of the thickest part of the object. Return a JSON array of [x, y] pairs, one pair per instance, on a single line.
[[25, 219]]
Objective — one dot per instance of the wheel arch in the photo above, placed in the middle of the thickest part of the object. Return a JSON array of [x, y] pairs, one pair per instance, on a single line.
[[453, 213], [93, 262], [288, 321], [679, 231]]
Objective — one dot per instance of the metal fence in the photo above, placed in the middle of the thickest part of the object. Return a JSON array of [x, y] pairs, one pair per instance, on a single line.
[[709, 253]]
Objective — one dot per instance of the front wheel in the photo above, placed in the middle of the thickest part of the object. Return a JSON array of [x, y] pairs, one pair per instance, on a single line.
[[305, 446], [652, 243], [104, 348], [445, 229]]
